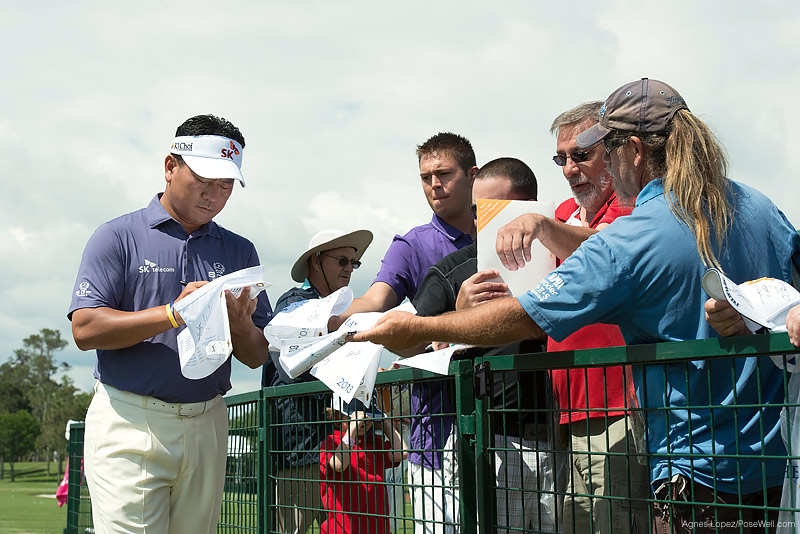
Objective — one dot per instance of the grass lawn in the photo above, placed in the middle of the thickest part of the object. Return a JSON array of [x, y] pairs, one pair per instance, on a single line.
[[21, 511]]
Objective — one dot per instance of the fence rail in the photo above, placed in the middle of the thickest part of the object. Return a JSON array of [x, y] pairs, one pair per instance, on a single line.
[[702, 423]]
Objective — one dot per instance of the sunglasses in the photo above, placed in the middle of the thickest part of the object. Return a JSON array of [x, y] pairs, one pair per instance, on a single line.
[[343, 261], [613, 143], [578, 156], [473, 208]]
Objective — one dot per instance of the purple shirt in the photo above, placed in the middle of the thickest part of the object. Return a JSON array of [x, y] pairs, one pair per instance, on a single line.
[[410, 256], [136, 262], [403, 267]]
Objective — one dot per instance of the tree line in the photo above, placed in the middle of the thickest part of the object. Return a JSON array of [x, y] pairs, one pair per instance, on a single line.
[[35, 405]]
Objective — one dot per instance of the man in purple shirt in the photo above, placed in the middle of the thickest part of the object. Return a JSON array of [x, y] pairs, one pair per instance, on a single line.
[[156, 442], [447, 168]]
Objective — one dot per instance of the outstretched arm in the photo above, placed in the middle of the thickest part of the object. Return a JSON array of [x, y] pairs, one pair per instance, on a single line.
[[494, 323], [379, 297]]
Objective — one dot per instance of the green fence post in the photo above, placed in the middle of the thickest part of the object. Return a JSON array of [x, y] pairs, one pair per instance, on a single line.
[[266, 490], [484, 465], [465, 419]]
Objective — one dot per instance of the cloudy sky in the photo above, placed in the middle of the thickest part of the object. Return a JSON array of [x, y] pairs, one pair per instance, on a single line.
[[332, 98]]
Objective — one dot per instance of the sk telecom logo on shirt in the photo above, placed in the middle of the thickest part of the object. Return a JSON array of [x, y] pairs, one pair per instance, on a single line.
[[152, 267], [229, 153]]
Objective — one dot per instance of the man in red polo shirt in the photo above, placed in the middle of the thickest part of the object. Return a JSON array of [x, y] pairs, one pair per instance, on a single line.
[[592, 400]]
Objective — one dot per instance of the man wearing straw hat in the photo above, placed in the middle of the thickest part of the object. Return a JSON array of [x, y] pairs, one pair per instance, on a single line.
[[324, 267]]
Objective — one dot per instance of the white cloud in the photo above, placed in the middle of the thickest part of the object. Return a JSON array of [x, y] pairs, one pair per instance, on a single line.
[[332, 98]]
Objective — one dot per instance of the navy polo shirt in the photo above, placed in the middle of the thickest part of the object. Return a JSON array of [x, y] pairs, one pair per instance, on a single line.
[[136, 262]]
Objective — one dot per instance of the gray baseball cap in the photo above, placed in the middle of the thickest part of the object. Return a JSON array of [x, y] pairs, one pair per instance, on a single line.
[[643, 106]]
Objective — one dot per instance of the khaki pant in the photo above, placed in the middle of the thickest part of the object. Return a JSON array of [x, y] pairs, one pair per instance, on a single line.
[[593, 474], [154, 467]]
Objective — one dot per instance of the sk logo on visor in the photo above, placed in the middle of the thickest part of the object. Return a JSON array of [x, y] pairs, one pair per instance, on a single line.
[[226, 153]]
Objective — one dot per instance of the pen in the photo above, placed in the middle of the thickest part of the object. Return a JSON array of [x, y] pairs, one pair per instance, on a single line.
[[184, 283]]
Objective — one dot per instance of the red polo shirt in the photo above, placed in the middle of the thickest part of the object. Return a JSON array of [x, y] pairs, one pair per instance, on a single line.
[[578, 391]]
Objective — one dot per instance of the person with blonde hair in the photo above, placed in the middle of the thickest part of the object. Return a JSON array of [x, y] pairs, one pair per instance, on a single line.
[[643, 273]]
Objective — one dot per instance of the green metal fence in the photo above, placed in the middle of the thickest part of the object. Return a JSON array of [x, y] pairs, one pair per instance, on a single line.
[[79, 505], [513, 456]]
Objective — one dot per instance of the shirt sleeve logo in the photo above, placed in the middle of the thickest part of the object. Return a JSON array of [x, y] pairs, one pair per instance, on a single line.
[[549, 287], [83, 290]]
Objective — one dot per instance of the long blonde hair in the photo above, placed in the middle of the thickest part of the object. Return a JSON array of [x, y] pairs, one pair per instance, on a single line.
[[693, 166]]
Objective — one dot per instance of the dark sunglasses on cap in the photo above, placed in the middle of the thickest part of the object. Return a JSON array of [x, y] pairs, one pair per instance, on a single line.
[[343, 261], [578, 156], [612, 143]]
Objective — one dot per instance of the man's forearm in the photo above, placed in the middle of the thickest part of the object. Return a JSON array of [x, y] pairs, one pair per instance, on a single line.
[[108, 329], [250, 346], [494, 323], [563, 239]]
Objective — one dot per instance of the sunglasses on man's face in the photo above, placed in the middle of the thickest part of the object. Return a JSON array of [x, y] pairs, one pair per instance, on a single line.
[[344, 261], [578, 156]]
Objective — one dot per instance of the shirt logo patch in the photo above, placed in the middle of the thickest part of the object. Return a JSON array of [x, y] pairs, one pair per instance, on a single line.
[[219, 270], [83, 290], [152, 267], [549, 287]]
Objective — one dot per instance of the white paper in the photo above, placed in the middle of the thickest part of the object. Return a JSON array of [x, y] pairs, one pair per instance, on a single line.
[[765, 301], [298, 357], [205, 343], [348, 369], [351, 371], [494, 214], [308, 318], [437, 361]]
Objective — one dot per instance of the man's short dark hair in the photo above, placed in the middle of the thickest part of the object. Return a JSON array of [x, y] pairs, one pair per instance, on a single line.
[[210, 125], [521, 176], [454, 145]]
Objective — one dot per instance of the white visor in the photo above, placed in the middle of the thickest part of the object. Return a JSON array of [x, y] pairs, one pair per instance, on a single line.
[[211, 156]]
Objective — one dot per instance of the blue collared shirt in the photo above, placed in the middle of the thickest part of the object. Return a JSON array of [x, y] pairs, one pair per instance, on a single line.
[[136, 262], [643, 273]]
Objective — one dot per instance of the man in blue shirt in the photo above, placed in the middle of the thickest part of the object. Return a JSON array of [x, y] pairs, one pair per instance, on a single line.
[[643, 273], [156, 442]]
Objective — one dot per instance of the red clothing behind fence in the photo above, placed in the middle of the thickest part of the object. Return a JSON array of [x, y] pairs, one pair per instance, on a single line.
[[579, 389], [356, 497]]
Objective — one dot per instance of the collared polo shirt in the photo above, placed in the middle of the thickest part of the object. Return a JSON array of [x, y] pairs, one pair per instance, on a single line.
[[579, 390], [643, 273], [136, 262], [410, 256]]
